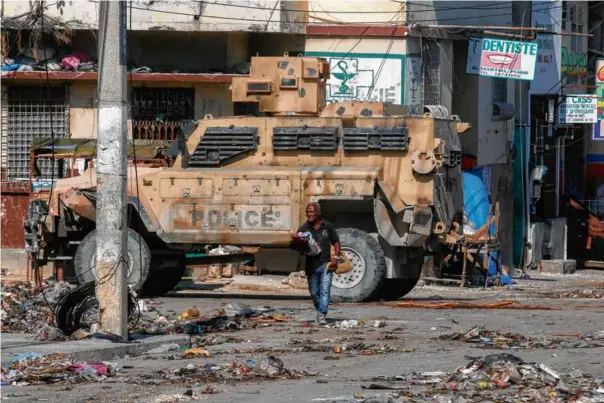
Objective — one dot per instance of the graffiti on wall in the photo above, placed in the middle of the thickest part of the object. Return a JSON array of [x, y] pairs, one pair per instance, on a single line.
[[574, 66], [364, 77]]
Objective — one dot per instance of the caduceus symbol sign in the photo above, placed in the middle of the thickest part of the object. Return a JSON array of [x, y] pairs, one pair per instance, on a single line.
[[344, 75]]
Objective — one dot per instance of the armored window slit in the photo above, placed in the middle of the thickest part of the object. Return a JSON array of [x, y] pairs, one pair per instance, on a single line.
[[305, 138], [376, 138], [221, 144]]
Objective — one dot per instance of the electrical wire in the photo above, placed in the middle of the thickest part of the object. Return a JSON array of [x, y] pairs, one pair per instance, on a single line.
[[131, 97], [378, 23], [379, 71], [77, 305], [270, 16], [426, 8]]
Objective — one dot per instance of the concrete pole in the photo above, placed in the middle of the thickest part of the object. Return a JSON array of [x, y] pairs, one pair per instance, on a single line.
[[521, 16], [111, 224]]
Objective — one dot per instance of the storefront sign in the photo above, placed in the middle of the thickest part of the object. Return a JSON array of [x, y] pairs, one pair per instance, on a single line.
[[365, 77], [600, 87], [501, 58], [547, 15], [598, 132], [579, 109]]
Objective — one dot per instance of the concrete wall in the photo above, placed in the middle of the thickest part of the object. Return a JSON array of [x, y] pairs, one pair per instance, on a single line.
[[356, 12], [460, 13], [170, 15]]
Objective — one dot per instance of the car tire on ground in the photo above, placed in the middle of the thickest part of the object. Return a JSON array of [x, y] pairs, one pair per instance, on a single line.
[[163, 280], [365, 280], [138, 259]]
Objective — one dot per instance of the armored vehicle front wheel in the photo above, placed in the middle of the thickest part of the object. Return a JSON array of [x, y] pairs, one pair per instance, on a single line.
[[138, 259], [368, 272]]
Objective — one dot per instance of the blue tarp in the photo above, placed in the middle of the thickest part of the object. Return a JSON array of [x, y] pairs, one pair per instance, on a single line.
[[476, 206]]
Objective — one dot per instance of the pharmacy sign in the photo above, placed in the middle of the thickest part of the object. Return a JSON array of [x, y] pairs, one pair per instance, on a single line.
[[501, 58], [579, 109]]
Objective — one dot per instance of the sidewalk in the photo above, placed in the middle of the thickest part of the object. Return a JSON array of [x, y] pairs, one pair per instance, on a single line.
[[83, 350]]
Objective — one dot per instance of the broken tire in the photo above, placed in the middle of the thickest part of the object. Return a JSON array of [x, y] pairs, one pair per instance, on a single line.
[[395, 288], [163, 280], [138, 259], [365, 280]]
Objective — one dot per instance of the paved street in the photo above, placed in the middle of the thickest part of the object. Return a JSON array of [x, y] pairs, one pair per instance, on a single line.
[[337, 366]]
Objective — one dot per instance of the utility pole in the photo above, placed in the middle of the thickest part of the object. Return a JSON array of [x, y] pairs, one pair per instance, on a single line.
[[521, 16], [112, 133]]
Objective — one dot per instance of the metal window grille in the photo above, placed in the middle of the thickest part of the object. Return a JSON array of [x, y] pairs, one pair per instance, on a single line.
[[30, 113], [499, 90], [431, 72], [159, 113]]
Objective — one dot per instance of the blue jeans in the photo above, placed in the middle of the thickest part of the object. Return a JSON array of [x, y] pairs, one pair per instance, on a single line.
[[319, 285]]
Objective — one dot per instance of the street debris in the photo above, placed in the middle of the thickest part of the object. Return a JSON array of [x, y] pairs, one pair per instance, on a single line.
[[35, 369], [587, 294], [233, 316], [296, 280], [346, 346], [469, 305], [498, 377], [486, 338], [269, 368], [26, 311]]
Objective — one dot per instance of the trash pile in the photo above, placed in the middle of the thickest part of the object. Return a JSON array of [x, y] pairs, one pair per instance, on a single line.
[[75, 312], [269, 368], [234, 316], [24, 311], [499, 377], [35, 369], [485, 338], [584, 294], [345, 346], [353, 324]]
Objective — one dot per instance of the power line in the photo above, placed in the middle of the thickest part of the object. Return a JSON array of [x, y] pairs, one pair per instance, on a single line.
[[342, 23], [426, 8], [293, 9]]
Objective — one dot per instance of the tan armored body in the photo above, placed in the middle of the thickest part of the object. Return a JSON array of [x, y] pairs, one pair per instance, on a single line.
[[389, 182]]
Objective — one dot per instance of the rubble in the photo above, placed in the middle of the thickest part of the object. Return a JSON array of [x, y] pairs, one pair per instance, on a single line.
[[586, 294], [296, 280], [486, 338], [27, 311], [497, 377], [270, 367], [35, 369], [346, 346]]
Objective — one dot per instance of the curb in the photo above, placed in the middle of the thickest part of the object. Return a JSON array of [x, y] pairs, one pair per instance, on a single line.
[[94, 350]]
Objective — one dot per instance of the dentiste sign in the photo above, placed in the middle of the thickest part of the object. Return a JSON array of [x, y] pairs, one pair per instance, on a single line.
[[501, 58]]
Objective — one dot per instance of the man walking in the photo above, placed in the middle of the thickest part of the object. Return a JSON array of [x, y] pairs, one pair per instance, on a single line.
[[319, 278]]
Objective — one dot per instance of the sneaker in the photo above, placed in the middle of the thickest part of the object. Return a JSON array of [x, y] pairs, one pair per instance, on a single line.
[[321, 319]]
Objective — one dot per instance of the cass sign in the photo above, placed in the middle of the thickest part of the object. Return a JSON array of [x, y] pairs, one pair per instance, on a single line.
[[579, 109], [500, 58]]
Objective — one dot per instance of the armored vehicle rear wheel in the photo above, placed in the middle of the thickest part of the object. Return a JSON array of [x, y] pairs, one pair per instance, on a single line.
[[395, 288], [138, 259], [368, 272], [162, 281]]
